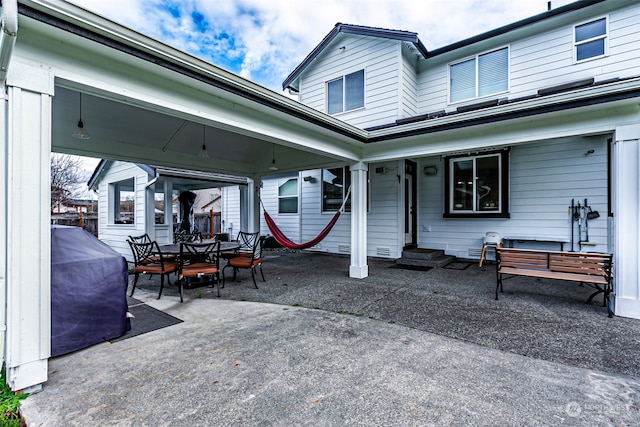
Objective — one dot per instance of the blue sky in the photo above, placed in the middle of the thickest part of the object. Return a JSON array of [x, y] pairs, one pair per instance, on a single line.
[[264, 40]]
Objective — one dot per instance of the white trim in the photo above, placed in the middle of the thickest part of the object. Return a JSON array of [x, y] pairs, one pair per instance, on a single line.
[[605, 37]]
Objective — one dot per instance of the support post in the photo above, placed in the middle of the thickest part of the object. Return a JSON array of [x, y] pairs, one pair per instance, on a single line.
[[359, 268], [253, 205]]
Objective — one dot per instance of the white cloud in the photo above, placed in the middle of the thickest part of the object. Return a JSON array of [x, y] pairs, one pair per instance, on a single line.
[[264, 41]]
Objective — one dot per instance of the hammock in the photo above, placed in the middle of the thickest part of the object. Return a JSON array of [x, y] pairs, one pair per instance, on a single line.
[[287, 243]]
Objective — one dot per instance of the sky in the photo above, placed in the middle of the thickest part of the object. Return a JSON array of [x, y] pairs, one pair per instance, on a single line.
[[264, 40]]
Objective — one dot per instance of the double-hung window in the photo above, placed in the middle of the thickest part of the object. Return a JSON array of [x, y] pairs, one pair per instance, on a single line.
[[288, 196], [123, 206], [482, 75], [591, 39], [477, 185], [346, 93]]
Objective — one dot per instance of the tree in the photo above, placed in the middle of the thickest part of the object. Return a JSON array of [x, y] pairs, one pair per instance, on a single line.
[[66, 175]]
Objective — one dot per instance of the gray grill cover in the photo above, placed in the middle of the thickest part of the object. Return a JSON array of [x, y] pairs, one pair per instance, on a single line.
[[88, 290]]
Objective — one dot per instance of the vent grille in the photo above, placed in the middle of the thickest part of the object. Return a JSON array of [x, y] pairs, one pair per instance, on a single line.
[[344, 248], [475, 252], [383, 251]]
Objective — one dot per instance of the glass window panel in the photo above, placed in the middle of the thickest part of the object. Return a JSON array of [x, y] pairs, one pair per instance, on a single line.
[[463, 80], [124, 202], [332, 189], [462, 185], [289, 188], [590, 49], [592, 29], [334, 94], [354, 88], [488, 183], [158, 201], [493, 71], [288, 205]]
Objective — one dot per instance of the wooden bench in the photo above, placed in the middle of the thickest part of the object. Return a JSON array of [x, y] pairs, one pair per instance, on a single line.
[[594, 269]]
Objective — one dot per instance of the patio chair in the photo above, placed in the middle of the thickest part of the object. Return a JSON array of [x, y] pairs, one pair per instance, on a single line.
[[199, 260], [491, 239], [248, 256], [148, 259], [187, 237]]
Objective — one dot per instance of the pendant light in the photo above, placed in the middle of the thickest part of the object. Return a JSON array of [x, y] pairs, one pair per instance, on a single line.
[[81, 132], [203, 151], [273, 166]]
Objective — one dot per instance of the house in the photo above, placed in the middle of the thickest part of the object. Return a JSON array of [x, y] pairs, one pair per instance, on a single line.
[[435, 148], [507, 131], [136, 198]]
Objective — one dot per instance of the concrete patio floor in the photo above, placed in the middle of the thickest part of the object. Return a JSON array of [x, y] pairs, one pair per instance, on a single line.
[[315, 347]]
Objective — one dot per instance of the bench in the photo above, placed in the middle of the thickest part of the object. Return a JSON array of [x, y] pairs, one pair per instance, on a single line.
[[594, 269]]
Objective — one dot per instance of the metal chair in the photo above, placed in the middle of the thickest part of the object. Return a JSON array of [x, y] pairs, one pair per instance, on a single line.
[[187, 237], [248, 256], [198, 260], [148, 259], [491, 239]]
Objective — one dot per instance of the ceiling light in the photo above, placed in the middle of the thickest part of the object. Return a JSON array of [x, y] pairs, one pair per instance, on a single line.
[[203, 151], [273, 166], [81, 132]]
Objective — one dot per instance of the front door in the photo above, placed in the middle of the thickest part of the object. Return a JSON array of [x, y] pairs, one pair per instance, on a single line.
[[410, 217]]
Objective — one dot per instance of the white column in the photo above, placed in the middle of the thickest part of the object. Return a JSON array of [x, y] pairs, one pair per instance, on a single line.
[[27, 246], [626, 211], [244, 208], [253, 204], [359, 268]]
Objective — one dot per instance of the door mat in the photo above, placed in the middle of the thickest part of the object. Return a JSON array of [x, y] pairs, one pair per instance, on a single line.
[[458, 265], [146, 319], [411, 267]]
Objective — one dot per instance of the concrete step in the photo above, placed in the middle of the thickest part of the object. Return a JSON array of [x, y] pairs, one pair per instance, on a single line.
[[425, 258], [422, 254]]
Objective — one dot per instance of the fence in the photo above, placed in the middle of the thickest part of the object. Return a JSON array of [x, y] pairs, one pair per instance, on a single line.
[[88, 222], [204, 222]]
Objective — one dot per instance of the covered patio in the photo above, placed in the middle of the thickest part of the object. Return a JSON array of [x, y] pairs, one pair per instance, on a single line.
[[314, 346]]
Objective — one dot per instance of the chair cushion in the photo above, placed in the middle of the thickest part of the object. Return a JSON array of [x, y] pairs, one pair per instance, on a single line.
[[198, 268], [244, 262], [169, 267]]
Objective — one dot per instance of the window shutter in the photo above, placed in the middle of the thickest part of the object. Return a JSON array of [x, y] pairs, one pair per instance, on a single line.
[[463, 80], [493, 70]]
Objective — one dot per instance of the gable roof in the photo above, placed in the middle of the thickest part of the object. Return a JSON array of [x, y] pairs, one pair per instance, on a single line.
[[360, 30], [411, 37]]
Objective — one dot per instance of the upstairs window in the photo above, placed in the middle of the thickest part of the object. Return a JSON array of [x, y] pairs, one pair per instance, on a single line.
[[346, 93], [590, 39], [476, 186], [288, 196], [482, 75]]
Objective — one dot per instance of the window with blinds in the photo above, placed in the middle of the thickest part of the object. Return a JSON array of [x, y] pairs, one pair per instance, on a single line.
[[480, 76], [346, 93]]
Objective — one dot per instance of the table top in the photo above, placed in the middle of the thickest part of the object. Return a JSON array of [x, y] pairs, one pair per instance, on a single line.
[[174, 248]]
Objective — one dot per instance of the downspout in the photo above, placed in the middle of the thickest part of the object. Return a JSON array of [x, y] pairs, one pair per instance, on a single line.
[[8, 35]]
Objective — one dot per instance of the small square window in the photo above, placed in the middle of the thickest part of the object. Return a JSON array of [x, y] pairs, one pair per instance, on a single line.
[[590, 39]]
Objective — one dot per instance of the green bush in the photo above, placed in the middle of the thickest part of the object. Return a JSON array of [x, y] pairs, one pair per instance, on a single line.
[[10, 405]]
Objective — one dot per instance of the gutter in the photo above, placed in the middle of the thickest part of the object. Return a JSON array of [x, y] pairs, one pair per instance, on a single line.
[[8, 35]]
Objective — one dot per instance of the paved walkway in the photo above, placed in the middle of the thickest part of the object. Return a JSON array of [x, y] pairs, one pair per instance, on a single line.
[[315, 347]]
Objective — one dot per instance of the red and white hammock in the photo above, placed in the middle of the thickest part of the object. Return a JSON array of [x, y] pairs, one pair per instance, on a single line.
[[287, 243]]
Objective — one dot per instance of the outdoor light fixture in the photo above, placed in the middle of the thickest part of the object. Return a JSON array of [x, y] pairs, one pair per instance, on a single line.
[[81, 132], [203, 152], [273, 166]]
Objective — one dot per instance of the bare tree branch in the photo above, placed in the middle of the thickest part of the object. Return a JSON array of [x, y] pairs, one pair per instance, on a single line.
[[66, 175]]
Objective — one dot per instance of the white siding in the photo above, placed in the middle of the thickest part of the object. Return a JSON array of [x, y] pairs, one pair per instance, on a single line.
[[544, 177], [115, 235], [230, 210], [409, 86], [380, 58], [288, 223], [542, 60]]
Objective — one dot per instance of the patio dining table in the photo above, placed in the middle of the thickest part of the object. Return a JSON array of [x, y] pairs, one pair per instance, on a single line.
[[174, 248]]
